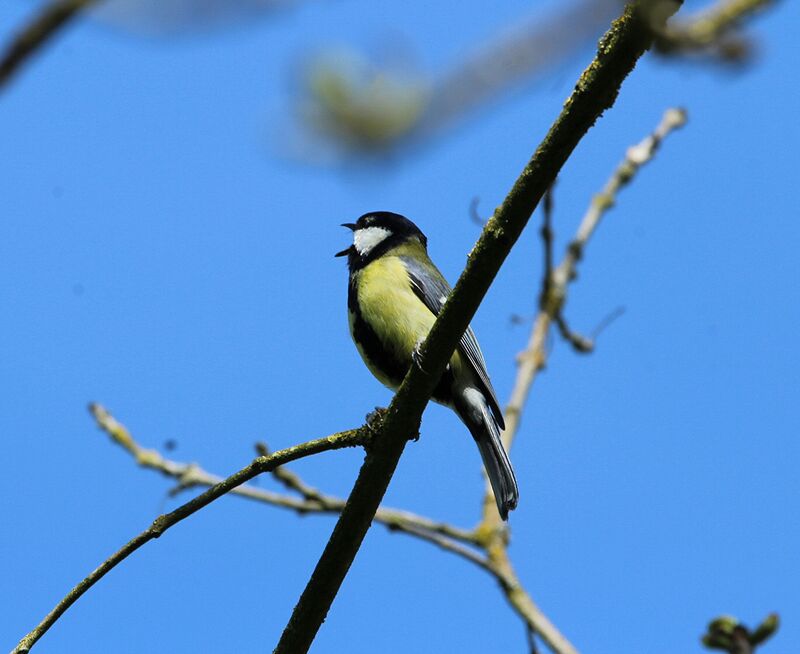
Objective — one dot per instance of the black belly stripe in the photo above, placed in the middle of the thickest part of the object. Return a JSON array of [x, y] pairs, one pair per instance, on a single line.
[[384, 359]]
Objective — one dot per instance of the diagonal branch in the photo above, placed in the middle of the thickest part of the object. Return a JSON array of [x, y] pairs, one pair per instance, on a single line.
[[350, 438], [486, 546], [48, 22], [596, 91]]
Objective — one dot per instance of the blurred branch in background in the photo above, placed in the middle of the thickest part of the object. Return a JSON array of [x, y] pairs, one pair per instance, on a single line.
[[169, 18], [148, 17], [362, 106], [729, 635], [487, 545], [713, 33], [359, 106], [351, 105], [45, 24]]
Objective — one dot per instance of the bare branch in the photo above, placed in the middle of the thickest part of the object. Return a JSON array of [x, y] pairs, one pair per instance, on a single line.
[[712, 31], [595, 92], [362, 107], [46, 24], [533, 358], [578, 342], [547, 235], [532, 647], [190, 475], [445, 536], [554, 289], [450, 545], [350, 438], [636, 157], [490, 534]]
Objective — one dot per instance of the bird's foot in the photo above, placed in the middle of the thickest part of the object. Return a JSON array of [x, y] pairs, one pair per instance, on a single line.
[[416, 356], [374, 418]]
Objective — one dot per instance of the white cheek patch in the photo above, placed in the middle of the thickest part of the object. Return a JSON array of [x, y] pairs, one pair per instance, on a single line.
[[367, 238]]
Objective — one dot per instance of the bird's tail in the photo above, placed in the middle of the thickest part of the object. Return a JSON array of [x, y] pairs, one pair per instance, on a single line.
[[486, 431]]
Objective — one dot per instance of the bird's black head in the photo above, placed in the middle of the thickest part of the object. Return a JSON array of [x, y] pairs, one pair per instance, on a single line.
[[375, 233]]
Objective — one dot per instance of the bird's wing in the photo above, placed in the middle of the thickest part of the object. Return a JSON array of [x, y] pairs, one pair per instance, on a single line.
[[432, 288]]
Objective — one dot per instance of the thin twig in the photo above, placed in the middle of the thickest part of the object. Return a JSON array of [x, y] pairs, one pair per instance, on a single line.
[[46, 24], [445, 536], [636, 157], [190, 475], [547, 235], [450, 545], [605, 322], [491, 530], [259, 465], [712, 31], [292, 481], [579, 343], [474, 203], [532, 647]]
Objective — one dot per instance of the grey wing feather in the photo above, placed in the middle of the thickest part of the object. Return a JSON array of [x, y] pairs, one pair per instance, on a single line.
[[432, 288]]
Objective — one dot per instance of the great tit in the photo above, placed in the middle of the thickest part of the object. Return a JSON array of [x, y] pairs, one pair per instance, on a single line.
[[394, 294]]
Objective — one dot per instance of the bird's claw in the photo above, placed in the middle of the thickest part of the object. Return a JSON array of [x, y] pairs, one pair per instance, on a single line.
[[416, 356], [374, 417]]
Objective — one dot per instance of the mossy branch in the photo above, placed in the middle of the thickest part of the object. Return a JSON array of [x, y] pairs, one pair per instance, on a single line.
[[596, 90], [350, 438]]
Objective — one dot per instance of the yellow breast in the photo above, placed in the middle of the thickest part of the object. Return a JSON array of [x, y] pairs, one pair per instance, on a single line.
[[389, 305]]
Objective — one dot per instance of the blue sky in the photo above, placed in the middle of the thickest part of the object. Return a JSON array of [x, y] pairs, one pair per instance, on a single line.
[[160, 256]]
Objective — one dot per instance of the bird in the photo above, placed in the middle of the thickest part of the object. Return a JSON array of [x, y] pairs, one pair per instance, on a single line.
[[395, 292]]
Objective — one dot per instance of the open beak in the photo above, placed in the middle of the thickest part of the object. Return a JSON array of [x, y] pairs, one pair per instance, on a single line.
[[346, 251]]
